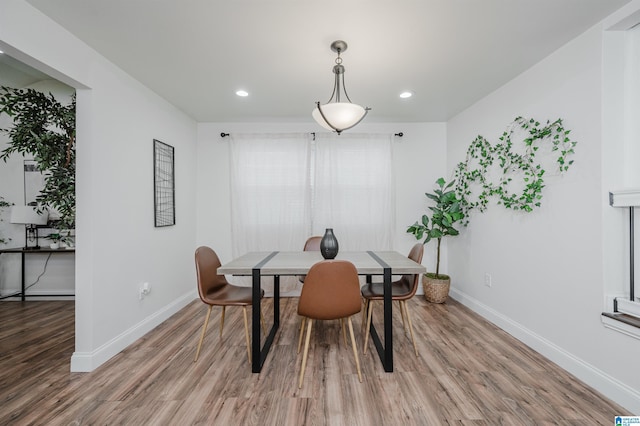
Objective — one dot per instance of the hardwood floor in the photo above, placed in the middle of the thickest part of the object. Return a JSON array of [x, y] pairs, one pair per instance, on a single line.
[[468, 372]]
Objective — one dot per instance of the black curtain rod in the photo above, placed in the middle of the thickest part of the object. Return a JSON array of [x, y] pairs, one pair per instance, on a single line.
[[399, 134]]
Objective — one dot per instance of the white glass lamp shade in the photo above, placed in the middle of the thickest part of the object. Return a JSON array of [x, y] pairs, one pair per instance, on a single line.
[[28, 215], [341, 115]]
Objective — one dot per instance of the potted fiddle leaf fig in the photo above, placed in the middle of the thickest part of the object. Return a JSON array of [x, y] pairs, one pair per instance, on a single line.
[[439, 224]]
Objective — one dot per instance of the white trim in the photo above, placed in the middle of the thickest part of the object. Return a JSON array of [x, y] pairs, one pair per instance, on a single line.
[[599, 380], [89, 361], [628, 307], [624, 198], [621, 327]]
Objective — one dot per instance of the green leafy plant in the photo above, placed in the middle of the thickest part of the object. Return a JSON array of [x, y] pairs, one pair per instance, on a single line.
[[444, 215], [46, 129], [55, 237], [517, 179]]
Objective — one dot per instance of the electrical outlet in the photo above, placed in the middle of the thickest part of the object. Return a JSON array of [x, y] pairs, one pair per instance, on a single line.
[[487, 279], [144, 290]]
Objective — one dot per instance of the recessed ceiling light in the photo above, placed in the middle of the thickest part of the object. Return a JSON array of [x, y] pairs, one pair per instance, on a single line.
[[242, 93], [405, 95]]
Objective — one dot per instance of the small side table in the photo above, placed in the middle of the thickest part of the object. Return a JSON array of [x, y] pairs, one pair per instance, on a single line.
[[40, 250]]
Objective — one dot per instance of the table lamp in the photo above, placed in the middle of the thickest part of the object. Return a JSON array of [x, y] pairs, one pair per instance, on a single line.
[[29, 216]]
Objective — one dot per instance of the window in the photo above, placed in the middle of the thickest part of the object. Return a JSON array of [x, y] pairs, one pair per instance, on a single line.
[[285, 188]]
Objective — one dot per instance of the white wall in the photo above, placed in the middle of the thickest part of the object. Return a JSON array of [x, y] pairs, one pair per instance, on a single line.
[[419, 159], [547, 266], [54, 274], [117, 244]]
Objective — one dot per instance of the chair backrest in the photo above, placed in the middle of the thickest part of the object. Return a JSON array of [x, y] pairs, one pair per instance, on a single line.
[[413, 280], [207, 263], [312, 244], [331, 291]]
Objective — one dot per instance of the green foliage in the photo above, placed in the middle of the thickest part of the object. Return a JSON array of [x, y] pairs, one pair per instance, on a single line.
[[446, 212], [473, 183], [55, 237], [46, 129]]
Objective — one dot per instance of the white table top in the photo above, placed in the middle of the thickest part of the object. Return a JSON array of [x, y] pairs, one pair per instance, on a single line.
[[299, 263]]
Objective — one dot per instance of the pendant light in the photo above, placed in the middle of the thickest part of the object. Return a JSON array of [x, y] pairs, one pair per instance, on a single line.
[[339, 115]]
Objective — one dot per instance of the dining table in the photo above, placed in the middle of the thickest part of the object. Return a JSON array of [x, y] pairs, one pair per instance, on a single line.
[[260, 264]]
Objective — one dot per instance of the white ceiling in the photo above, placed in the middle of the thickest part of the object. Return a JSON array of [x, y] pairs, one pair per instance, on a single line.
[[450, 53]]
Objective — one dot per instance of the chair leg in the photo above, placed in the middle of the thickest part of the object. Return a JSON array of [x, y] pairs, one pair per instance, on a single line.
[[366, 330], [404, 326], [222, 321], [415, 348], [204, 329], [246, 333], [355, 351], [301, 333], [306, 351], [344, 331]]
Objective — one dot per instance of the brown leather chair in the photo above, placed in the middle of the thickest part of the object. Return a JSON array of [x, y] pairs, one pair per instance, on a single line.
[[401, 290], [312, 244], [215, 290], [331, 291]]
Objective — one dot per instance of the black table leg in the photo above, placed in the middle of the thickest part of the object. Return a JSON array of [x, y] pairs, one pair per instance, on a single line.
[[276, 300], [388, 334], [255, 322], [22, 285], [257, 355], [385, 352]]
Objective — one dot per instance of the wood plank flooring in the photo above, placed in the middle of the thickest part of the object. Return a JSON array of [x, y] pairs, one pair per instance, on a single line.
[[468, 372]]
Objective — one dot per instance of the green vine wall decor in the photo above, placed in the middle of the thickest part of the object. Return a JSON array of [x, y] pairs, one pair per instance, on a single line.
[[511, 172]]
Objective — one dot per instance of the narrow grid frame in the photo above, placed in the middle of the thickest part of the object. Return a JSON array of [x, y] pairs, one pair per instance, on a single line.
[[164, 201]]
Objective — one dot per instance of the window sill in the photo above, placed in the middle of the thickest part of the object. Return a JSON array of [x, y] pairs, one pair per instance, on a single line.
[[622, 323]]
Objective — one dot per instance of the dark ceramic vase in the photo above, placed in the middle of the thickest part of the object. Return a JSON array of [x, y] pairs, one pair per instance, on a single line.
[[329, 245]]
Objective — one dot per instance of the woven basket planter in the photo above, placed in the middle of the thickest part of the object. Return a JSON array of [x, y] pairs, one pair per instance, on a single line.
[[436, 290]]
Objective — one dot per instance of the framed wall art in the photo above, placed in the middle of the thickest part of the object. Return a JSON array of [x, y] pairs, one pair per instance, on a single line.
[[164, 202]]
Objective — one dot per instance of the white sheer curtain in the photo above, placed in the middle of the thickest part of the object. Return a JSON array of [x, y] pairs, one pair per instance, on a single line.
[[353, 190], [287, 187], [270, 195]]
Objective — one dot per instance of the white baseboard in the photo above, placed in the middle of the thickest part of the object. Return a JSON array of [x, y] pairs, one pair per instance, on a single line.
[[39, 295], [602, 382], [89, 361]]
